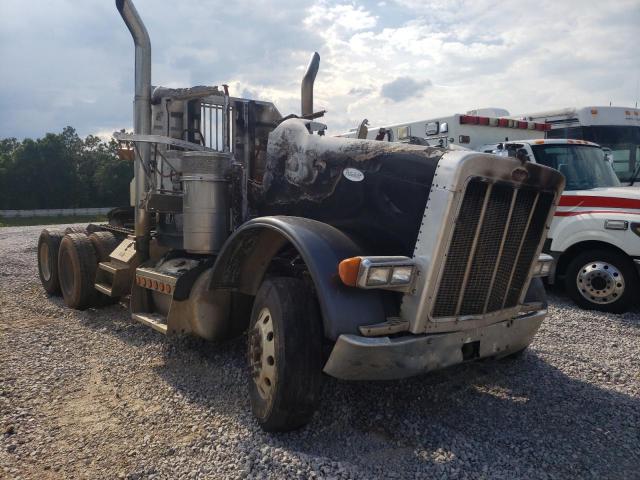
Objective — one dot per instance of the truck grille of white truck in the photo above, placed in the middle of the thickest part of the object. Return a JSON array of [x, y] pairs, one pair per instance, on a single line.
[[502, 226]]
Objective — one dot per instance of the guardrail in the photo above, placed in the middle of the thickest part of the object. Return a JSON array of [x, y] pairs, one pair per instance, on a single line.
[[54, 212]]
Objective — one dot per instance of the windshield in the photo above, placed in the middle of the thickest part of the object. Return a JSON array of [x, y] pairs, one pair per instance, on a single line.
[[583, 166], [624, 142]]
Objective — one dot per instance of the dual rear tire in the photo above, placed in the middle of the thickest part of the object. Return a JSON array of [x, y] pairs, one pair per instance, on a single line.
[[77, 265], [67, 264]]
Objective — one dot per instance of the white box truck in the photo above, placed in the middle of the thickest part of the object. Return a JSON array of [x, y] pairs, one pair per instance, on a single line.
[[470, 130]]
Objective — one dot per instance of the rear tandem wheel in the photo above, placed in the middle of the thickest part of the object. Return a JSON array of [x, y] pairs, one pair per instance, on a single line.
[[77, 264]]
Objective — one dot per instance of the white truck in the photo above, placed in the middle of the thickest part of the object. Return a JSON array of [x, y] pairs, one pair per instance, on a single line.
[[595, 234], [614, 128]]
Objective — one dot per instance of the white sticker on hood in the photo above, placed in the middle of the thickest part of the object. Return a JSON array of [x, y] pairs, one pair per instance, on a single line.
[[353, 174]]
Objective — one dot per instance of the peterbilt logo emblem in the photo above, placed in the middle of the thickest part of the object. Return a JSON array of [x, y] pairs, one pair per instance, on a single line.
[[353, 174], [519, 174]]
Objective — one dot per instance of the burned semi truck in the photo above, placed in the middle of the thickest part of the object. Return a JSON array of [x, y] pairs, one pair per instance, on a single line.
[[358, 259]]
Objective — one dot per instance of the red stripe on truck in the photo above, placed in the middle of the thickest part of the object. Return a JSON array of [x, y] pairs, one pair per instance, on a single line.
[[593, 201], [587, 212]]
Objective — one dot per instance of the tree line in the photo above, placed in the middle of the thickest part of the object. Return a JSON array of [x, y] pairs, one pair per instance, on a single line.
[[62, 170]]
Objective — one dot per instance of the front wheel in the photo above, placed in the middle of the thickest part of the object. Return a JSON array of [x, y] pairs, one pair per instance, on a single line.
[[285, 355], [602, 280]]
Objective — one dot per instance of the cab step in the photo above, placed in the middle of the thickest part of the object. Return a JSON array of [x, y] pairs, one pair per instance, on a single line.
[[113, 278], [154, 320]]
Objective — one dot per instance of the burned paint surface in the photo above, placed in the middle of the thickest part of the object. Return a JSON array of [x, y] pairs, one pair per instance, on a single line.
[[304, 177]]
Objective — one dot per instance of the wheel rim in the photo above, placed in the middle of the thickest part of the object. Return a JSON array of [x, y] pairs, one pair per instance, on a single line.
[[262, 354], [65, 273], [600, 282], [45, 268]]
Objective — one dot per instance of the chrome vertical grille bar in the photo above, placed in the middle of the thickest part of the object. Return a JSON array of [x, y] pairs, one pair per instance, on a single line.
[[499, 257], [474, 245], [210, 126], [524, 235], [217, 111]]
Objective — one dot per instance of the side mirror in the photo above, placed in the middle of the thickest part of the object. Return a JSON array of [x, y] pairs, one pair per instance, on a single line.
[[522, 155]]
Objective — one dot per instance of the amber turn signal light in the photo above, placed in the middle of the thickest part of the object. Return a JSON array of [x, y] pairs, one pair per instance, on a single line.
[[348, 270]]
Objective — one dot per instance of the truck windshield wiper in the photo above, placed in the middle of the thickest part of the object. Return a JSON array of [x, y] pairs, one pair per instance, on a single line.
[[635, 175]]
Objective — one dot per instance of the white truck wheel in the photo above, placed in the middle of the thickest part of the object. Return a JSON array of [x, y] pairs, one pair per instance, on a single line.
[[602, 280]]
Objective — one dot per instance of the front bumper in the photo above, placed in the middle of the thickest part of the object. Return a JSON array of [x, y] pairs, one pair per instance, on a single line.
[[383, 358]]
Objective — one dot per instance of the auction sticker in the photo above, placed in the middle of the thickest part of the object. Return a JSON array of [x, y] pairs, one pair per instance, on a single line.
[[353, 174]]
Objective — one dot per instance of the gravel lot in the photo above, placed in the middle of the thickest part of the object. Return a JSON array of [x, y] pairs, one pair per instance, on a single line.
[[93, 395]]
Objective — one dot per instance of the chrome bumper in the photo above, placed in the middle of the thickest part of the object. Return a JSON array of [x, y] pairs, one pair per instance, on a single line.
[[383, 358]]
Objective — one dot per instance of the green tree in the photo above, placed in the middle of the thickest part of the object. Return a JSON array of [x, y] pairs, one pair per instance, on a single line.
[[62, 171]]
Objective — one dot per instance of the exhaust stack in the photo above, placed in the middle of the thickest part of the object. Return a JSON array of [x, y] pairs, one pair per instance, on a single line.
[[141, 116], [306, 89]]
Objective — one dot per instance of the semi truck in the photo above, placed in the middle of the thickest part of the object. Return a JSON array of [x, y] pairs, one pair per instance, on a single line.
[[358, 259]]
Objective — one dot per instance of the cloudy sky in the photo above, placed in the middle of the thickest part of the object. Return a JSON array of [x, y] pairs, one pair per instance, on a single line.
[[70, 62]]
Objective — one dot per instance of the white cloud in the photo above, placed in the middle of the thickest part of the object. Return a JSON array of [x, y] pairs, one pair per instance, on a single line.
[[71, 63], [403, 88]]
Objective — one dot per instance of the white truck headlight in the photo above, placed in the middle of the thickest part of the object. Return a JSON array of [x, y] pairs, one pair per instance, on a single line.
[[390, 273], [542, 268]]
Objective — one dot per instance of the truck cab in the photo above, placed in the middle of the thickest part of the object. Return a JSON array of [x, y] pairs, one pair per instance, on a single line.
[[595, 233]]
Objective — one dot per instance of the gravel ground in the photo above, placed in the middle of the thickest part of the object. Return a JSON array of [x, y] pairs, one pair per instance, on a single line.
[[93, 395]]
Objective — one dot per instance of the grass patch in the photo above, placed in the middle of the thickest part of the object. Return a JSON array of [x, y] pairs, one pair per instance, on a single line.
[[28, 221]]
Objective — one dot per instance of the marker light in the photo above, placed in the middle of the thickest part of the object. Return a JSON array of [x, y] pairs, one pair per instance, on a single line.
[[616, 224], [348, 270]]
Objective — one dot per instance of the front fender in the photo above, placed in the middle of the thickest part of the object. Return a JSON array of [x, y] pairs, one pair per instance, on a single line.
[[246, 255]]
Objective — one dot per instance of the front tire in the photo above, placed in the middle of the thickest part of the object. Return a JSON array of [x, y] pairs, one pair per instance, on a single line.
[[602, 280], [285, 355]]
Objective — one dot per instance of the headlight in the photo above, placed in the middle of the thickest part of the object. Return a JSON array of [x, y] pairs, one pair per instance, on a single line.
[[391, 273], [401, 275], [378, 276]]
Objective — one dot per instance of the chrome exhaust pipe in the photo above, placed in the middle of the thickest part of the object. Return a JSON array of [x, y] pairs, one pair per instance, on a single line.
[[141, 117], [306, 90]]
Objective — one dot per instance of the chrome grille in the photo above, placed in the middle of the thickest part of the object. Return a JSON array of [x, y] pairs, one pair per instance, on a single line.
[[496, 235]]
